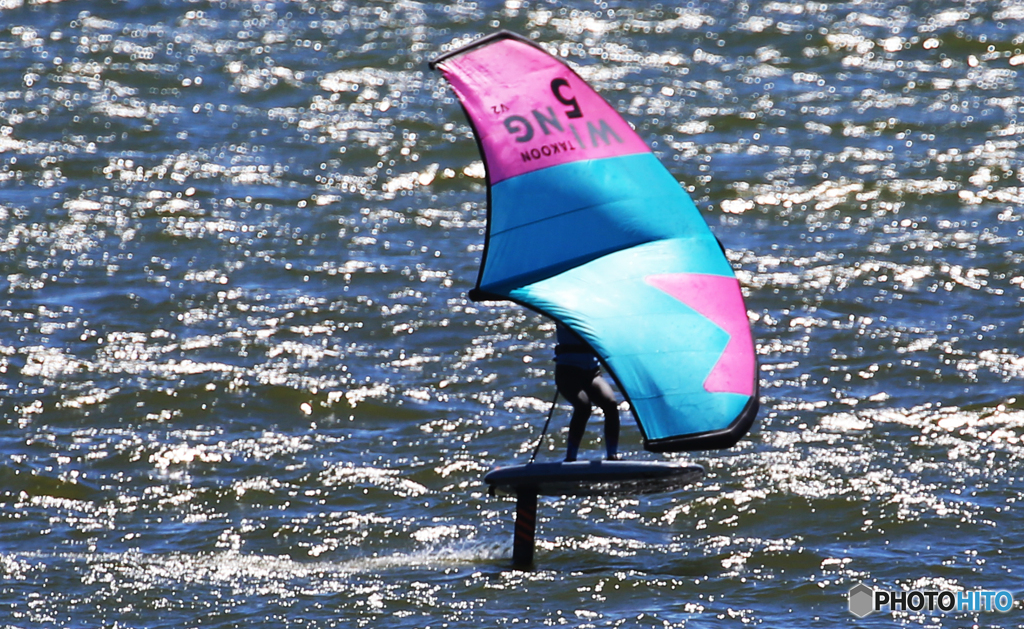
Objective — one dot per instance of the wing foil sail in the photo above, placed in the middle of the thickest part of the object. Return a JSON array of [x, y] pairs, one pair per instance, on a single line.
[[585, 225]]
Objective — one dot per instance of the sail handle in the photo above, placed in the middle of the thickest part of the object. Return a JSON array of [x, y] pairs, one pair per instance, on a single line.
[[545, 431]]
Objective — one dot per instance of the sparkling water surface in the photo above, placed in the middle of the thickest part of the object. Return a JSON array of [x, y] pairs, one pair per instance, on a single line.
[[241, 383]]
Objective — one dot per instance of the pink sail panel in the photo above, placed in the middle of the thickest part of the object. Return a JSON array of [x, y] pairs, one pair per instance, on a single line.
[[530, 111], [719, 299]]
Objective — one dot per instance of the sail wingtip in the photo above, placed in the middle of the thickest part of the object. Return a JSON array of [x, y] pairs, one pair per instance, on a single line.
[[476, 43], [479, 294], [714, 440]]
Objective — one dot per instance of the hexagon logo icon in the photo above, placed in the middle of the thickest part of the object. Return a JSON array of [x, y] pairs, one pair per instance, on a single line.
[[861, 599]]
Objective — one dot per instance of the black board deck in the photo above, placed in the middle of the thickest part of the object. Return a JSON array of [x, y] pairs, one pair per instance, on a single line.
[[592, 478]]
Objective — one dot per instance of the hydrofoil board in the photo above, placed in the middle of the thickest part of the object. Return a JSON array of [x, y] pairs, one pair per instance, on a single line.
[[592, 478]]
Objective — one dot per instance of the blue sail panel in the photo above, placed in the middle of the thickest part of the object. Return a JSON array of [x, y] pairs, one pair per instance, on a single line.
[[553, 219]]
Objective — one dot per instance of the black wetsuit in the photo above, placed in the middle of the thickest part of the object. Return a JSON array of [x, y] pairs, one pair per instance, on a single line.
[[578, 378]]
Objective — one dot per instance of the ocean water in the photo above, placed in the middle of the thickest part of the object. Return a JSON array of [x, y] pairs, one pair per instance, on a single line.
[[241, 383]]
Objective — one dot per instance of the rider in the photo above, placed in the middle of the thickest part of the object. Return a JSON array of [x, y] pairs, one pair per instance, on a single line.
[[578, 379]]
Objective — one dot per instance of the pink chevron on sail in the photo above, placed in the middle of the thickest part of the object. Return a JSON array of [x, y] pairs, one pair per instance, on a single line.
[[734, 371]]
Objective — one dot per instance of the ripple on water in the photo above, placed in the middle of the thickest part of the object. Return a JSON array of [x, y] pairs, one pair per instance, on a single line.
[[241, 381]]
